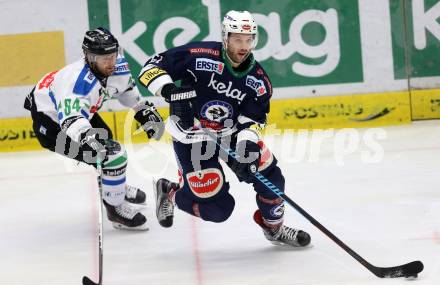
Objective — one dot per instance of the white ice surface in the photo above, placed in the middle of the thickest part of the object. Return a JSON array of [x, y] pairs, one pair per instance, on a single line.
[[387, 211]]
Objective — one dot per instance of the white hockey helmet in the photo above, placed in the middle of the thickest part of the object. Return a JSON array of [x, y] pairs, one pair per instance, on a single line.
[[240, 22]]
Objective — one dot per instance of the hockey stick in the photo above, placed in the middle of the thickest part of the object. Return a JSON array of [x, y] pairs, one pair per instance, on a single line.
[[86, 280], [406, 270]]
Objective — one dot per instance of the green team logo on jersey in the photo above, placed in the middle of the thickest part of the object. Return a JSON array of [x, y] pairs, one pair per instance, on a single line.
[[300, 43]]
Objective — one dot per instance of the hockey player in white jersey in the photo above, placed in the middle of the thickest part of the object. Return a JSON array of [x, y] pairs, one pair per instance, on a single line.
[[64, 106]]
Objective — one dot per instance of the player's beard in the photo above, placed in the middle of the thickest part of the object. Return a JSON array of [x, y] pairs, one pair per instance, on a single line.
[[101, 72], [236, 58], [107, 71]]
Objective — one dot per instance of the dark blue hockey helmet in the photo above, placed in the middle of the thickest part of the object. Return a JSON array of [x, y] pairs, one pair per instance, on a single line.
[[100, 41]]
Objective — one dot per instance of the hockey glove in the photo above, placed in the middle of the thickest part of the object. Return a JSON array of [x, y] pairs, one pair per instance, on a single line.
[[246, 163], [93, 147], [182, 114], [150, 120], [172, 93]]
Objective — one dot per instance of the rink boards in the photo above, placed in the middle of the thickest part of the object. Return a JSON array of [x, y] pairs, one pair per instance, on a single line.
[[348, 111]]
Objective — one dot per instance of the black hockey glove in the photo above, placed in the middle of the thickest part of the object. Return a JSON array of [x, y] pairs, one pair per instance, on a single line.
[[150, 120], [93, 147], [247, 162], [172, 93], [183, 114], [180, 99]]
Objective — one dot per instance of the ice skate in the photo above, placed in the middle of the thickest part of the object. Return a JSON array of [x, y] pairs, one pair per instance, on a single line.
[[164, 207], [126, 217], [283, 235], [135, 195]]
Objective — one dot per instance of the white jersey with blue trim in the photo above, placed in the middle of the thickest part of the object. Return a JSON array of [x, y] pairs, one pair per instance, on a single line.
[[71, 95]]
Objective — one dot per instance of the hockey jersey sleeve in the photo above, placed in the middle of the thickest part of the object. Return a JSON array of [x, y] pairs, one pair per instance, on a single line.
[[163, 68], [131, 96], [122, 81], [254, 109]]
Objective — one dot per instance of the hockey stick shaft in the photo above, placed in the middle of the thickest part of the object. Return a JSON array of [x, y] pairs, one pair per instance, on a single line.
[[410, 269], [86, 280]]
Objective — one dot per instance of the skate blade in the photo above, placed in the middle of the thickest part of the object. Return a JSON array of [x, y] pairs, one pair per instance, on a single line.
[[283, 245], [119, 226]]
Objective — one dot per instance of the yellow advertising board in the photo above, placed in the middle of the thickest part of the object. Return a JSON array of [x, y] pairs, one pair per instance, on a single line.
[[29, 56], [352, 111], [357, 111], [425, 104], [17, 134]]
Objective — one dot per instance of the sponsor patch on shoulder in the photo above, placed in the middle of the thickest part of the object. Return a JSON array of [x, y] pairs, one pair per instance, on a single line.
[[151, 74], [207, 64], [122, 68], [47, 80], [256, 84]]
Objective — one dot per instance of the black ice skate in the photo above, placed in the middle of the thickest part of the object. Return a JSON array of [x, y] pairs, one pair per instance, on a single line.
[[283, 235], [126, 217], [135, 195], [164, 207]]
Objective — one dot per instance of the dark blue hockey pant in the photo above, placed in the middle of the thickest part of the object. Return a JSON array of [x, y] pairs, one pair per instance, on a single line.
[[204, 191]]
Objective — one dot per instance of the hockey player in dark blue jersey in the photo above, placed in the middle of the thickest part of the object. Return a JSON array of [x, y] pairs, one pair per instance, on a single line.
[[225, 89]]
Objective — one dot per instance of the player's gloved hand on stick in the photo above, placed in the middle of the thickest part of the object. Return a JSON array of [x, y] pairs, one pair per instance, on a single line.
[[150, 119], [172, 93], [91, 142], [183, 114], [248, 160], [180, 99]]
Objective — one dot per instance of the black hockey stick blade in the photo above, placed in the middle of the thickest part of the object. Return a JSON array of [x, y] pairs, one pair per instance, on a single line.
[[406, 270], [86, 281]]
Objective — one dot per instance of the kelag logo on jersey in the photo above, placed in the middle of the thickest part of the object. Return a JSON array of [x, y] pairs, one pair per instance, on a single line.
[[222, 88], [256, 84], [207, 64]]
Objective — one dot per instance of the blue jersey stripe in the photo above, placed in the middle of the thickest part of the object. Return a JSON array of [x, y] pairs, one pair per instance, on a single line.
[[113, 182], [85, 82], [52, 98], [85, 114]]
